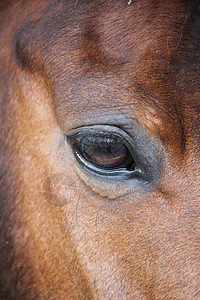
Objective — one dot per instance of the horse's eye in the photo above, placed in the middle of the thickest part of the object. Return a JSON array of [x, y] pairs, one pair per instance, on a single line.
[[104, 150], [111, 153]]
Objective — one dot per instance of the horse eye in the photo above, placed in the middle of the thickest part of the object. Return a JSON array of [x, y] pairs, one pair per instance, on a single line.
[[104, 150]]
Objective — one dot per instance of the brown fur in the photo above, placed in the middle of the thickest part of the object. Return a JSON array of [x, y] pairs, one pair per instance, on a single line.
[[66, 64]]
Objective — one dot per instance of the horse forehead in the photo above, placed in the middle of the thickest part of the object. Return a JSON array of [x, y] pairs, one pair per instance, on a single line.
[[106, 33], [88, 37], [113, 53]]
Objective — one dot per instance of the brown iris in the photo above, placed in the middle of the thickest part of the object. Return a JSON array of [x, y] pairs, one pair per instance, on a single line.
[[104, 150]]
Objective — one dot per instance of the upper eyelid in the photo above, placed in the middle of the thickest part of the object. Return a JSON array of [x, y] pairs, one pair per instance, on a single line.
[[115, 130]]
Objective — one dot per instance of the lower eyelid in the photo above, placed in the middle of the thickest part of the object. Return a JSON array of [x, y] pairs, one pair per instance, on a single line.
[[111, 173]]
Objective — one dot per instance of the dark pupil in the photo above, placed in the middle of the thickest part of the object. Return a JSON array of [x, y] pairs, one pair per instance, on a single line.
[[106, 152]]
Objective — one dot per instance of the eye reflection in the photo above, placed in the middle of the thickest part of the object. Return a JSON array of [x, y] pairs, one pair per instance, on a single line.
[[104, 150]]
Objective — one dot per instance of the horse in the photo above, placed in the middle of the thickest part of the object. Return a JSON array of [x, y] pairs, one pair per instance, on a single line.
[[100, 149]]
